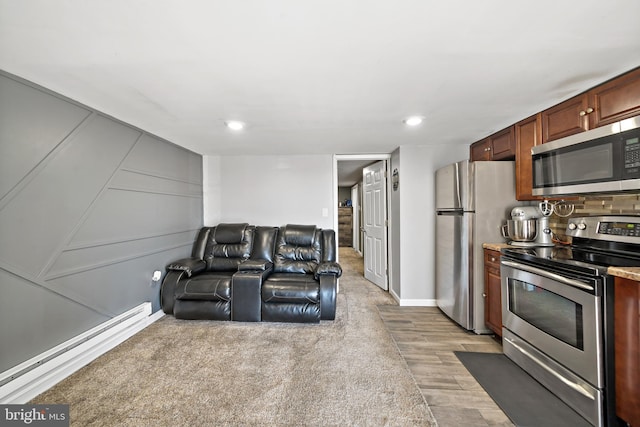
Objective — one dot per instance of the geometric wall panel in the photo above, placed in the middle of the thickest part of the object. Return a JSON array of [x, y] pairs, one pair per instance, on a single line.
[[89, 208], [32, 123]]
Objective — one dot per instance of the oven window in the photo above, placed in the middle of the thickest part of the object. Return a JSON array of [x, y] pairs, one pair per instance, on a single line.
[[552, 313]]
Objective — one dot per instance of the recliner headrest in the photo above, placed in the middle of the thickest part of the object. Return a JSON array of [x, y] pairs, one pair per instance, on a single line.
[[299, 235], [229, 233]]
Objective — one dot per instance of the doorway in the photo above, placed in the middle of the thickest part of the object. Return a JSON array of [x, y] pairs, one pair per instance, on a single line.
[[350, 177]]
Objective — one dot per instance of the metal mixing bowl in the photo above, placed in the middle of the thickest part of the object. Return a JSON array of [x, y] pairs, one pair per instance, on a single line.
[[522, 230]]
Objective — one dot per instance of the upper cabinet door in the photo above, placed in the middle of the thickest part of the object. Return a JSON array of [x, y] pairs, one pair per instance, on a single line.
[[607, 103], [503, 145], [615, 100], [480, 150], [499, 146], [567, 118]]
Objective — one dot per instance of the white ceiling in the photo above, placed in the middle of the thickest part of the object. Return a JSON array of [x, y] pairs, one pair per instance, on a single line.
[[350, 171], [318, 76]]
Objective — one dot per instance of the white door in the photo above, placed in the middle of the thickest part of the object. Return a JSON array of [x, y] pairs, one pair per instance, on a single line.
[[375, 227]]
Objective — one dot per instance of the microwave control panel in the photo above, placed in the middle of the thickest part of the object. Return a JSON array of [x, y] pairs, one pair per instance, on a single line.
[[632, 155]]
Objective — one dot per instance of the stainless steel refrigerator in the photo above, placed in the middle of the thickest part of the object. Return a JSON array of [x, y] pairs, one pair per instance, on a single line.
[[472, 201]]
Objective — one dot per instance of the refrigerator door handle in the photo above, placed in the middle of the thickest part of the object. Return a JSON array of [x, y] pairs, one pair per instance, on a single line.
[[450, 213], [458, 188]]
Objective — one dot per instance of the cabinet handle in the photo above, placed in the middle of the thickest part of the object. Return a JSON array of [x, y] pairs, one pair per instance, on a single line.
[[484, 295], [583, 113], [589, 110], [493, 259]]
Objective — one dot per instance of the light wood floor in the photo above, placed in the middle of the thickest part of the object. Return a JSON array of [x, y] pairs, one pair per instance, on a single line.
[[426, 339]]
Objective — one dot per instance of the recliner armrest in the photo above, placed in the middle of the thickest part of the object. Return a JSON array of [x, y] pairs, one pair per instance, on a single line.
[[255, 265], [328, 291], [189, 265], [328, 268]]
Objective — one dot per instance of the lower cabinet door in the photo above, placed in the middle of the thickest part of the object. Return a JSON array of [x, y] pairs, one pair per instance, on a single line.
[[492, 292]]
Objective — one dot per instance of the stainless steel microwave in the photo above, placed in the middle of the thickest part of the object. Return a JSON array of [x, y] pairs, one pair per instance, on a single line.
[[602, 160]]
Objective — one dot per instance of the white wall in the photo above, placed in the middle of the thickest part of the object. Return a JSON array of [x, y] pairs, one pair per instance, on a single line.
[[275, 190], [269, 190], [211, 189], [417, 218]]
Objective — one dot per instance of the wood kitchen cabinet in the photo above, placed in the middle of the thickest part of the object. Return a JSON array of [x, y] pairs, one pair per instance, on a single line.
[[345, 226], [499, 146], [627, 349], [567, 118], [615, 100], [492, 291], [527, 135], [480, 150], [609, 102]]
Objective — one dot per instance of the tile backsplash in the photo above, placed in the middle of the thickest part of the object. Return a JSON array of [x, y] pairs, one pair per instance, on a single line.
[[627, 204], [618, 204]]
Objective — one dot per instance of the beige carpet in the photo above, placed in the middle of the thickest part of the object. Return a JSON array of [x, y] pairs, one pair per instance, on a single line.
[[203, 373]]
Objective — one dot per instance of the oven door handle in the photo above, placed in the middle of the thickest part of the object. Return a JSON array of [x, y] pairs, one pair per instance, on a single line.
[[547, 274], [567, 382]]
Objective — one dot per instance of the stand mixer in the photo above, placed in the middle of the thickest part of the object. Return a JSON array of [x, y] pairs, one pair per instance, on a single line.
[[528, 226]]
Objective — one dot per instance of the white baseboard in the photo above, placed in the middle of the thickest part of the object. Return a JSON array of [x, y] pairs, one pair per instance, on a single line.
[[413, 302], [417, 303], [36, 375]]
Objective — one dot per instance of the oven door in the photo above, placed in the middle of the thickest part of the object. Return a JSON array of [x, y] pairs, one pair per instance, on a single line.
[[558, 315]]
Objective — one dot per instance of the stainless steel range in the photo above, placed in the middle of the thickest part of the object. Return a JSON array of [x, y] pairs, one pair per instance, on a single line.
[[557, 311]]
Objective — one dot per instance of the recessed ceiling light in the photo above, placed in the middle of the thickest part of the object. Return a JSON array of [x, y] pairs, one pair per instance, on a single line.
[[234, 125], [413, 121]]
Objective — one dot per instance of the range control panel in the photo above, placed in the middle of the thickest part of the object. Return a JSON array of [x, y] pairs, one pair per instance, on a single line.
[[620, 228], [611, 228]]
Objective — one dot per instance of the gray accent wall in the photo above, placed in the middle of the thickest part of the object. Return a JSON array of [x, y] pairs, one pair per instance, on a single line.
[[89, 208]]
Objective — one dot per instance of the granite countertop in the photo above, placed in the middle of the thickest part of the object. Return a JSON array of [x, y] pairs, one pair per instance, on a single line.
[[496, 246], [632, 273]]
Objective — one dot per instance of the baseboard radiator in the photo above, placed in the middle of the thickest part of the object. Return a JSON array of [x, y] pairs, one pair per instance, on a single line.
[[27, 380]]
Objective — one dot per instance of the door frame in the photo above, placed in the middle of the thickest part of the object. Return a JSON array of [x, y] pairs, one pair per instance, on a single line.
[[372, 157], [355, 233]]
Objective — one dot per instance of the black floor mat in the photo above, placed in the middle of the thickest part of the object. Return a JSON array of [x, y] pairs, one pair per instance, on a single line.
[[525, 401]]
